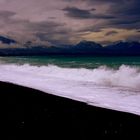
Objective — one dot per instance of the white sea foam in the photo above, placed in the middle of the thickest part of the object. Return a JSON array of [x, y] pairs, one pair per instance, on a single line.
[[105, 87]]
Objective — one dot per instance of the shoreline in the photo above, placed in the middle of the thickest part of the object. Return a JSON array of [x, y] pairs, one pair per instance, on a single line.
[[21, 105]]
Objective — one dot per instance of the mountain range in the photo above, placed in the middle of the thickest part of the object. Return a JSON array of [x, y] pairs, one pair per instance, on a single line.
[[82, 48]]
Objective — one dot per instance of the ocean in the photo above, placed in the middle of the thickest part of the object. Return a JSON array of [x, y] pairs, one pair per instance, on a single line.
[[108, 82]]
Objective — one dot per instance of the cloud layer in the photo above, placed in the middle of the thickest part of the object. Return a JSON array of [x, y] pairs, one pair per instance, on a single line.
[[69, 21]]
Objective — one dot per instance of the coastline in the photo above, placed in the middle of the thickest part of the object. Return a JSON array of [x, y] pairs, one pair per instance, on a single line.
[[22, 106]]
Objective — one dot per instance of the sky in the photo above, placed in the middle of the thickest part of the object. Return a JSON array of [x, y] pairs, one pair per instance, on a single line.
[[61, 22]]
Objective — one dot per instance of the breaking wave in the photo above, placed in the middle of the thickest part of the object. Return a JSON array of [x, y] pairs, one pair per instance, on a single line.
[[111, 88], [125, 76]]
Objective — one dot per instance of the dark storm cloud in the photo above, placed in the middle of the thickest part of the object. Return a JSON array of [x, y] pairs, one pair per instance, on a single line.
[[91, 28], [53, 32], [111, 33], [126, 7], [45, 26], [78, 13], [97, 1], [7, 20], [52, 17], [105, 1], [127, 13], [59, 21], [6, 14], [56, 37]]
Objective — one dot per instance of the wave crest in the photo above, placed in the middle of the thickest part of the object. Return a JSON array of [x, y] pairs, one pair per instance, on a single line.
[[125, 76]]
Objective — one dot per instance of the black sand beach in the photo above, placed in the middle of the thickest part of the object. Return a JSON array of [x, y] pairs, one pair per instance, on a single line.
[[24, 109]]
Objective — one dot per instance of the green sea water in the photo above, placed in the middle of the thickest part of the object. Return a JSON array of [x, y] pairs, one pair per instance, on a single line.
[[74, 61]]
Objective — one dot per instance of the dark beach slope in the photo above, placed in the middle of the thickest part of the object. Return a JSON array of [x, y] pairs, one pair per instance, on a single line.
[[28, 109]]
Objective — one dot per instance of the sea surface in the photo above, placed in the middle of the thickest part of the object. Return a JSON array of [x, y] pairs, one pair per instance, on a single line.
[[108, 82]]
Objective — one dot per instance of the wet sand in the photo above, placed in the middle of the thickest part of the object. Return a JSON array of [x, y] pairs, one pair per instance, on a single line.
[[26, 110]]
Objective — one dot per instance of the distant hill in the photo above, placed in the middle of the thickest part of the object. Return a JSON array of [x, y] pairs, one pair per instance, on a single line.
[[82, 48], [87, 45], [124, 48]]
